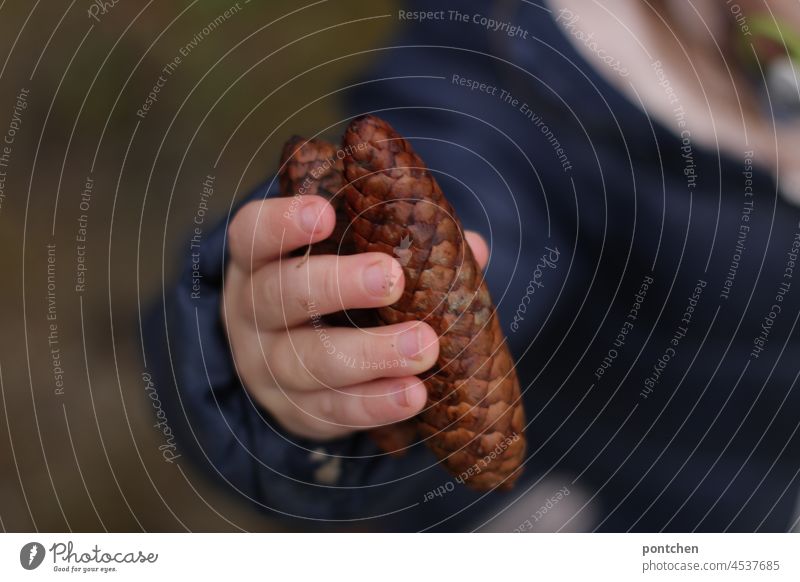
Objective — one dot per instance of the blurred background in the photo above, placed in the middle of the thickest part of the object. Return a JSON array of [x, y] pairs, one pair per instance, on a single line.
[[96, 185]]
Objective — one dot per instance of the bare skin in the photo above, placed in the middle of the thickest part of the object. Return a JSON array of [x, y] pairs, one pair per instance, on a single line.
[[318, 381]]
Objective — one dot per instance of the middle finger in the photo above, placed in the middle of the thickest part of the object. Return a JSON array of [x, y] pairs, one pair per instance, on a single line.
[[286, 293]]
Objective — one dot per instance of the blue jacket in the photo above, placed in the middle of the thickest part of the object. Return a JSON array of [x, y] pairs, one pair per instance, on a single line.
[[647, 294]]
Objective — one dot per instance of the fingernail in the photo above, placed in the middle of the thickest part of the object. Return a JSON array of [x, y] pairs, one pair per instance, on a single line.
[[380, 280], [408, 344], [412, 397], [310, 218], [401, 396]]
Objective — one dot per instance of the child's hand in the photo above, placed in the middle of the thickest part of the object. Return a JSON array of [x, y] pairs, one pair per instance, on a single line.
[[317, 381]]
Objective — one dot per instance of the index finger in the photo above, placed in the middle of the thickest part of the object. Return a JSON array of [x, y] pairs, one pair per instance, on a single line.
[[264, 230]]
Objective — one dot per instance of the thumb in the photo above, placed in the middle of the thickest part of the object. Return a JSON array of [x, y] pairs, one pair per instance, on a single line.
[[479, 247]]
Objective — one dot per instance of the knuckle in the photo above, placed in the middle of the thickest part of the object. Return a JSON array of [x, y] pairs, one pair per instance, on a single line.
[[326, 405], [329, 283], [378, 349], [243, 231], [249, 361], [368, 348], [270, 289], [239, 221], [257, 226], [245, 299], [238, 233], [309, 363], [285, 365]]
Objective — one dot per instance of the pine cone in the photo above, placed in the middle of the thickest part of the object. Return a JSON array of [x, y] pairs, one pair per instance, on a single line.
[[473, 420]]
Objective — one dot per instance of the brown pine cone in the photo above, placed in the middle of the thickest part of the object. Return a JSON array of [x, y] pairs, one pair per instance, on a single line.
[[312, 167], [473, 420]]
